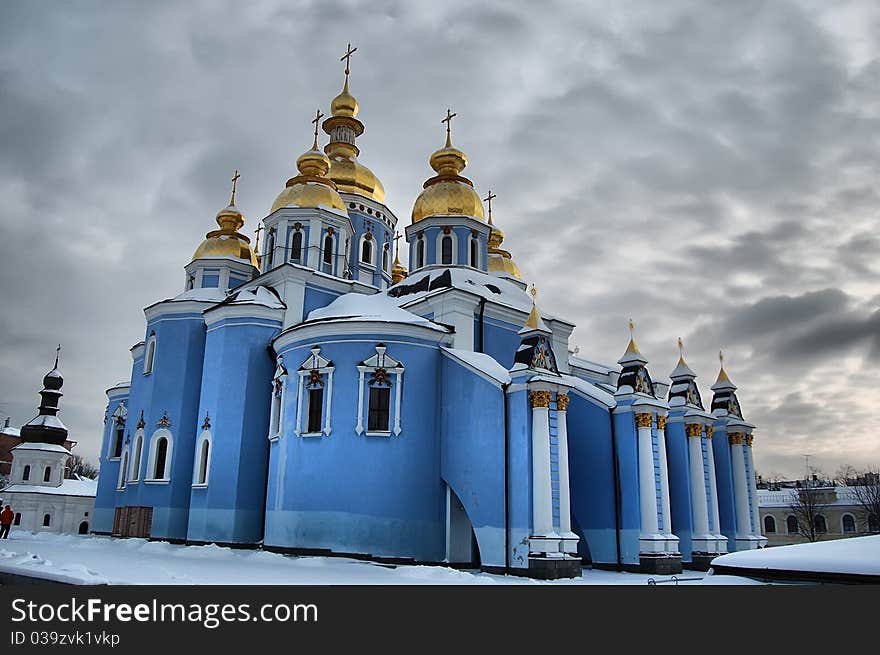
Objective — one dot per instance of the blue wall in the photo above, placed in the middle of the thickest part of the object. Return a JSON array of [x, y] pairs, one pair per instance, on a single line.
[[472, 454], [724, 483], [235, 393], [105, 499], [680, 500], [353, 493], [591, 474], [626, 439]]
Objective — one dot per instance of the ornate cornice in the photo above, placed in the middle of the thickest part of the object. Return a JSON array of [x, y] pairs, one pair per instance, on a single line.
[[562, 402], [540, 398], [644, 420], [661, 422], [735, 438]]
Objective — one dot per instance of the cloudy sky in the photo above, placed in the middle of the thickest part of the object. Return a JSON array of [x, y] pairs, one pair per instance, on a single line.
[[709, 168]]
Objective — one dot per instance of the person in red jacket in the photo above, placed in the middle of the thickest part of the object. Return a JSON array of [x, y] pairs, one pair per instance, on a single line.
[[6, 517]]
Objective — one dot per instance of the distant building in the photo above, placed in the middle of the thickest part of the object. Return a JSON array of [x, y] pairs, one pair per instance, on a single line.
[[839, 514], [41, 497]]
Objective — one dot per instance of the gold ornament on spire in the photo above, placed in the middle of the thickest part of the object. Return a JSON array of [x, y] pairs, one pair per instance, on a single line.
[[228, 241], [534, 319], [632, 347], [722, 374], [311, 187], [500, 261], [448, 192], [343, 127], [681, 361], [398, 270]]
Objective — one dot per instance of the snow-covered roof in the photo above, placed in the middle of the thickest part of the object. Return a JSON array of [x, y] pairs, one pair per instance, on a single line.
[[45, 447], [435, 281], [260, 295], [10, 432], [378, 308], [830, 496], [587, 388], [481, 362], [580, 362], [201, 294], [853, 556], [78, 487], [48, 421]]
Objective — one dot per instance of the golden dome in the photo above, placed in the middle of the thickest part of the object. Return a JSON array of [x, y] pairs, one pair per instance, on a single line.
[[345, 104], [227, 241], [500, 262], [351, 176], [398, 270], [448, 192], [311, 188]]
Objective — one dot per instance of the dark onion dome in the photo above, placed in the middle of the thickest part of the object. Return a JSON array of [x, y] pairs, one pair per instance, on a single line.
[[47, 427]]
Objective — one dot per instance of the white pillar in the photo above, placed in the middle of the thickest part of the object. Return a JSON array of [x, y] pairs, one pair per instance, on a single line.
[[713, 488], [753, 493], [740, 485], [698, 486], [569, 538], [647, 490], [542, 498], [664, 485]]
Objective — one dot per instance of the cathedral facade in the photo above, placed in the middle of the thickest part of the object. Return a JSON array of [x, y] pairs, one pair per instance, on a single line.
[[310, 394]]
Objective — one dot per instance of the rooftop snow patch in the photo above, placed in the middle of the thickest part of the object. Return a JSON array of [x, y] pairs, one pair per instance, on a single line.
[[46, 447], [79, 487], [481, 362], [378, 308]]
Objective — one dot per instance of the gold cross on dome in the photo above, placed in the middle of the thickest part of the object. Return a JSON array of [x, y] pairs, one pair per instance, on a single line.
[[397, 236], [534, 292], [489, 199], [234, 184], [316, 121], [257, 232], [349, 51], [448, 121], [680, 347]]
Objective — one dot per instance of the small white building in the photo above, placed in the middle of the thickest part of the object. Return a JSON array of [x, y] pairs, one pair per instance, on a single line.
[[42, 499]]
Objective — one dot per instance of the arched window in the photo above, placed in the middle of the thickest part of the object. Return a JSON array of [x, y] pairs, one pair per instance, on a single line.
[[47, 474], [161, 454], [446, 249], [117, 441], [849, 523], [791, 524], [367, 251], [820, 524], [385, 257], [296, 245], [203, 457], [26, 473], [420, 253], [769, 525], [47, 520], [328, 254], [270, 247], [151, 354], [84, 527], [17, 520], [135, 472], [475, 253]]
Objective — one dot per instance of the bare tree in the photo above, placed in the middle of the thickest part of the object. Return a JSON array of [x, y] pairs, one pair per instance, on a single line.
[[866, 492], [79, 465], [807, 504], [846, 476]]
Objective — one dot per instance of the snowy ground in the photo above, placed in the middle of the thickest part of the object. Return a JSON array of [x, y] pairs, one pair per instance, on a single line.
[[97, 560]]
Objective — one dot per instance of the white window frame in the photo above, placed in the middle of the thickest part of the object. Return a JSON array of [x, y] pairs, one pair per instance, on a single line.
[[302, 246], [124, 464], [855, 523], [380, 360], [797, 521], [421, 253], [373, 247], [324, 367], [204, 439], [279, 388], [150, 354], [322, 261], [119, 415], [386, 257], [439, 247], [134, 472], [472, 242], [151, 460], [775, 523]]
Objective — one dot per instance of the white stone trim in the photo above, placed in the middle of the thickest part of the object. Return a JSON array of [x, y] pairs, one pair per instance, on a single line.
[[314, 362], [438, 246], [137, 453], [276, 412], [377, 361], [150, 354], [123, 473], [150, 475], [319, 331], [360, 251]]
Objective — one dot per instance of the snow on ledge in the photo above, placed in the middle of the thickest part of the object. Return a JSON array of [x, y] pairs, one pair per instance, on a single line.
[[480, 362]]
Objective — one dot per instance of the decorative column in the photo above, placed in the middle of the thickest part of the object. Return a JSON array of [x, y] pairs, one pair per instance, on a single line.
[[569, 538], [740, 485], [702, 535], [647, 489], [542, 499], [713, 494], [664, 485], [753, 492]]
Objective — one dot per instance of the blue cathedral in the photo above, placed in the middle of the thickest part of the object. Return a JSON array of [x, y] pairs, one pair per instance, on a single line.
[[312, 395]]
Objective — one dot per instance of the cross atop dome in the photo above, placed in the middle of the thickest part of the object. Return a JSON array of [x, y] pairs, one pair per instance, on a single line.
[[448, 121]]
